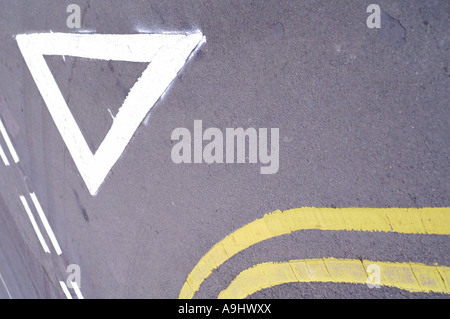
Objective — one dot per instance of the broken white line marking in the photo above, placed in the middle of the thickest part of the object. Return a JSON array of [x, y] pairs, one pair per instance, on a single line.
[[44, 220], [77, 290], [3, 156], [65, 290], [34, 224], [8, 143], [7, 291]]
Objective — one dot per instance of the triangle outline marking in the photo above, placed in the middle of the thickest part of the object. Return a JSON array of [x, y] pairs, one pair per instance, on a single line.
[[166, 54]]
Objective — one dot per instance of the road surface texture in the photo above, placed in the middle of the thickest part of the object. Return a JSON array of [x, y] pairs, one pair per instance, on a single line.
[[363, 117]]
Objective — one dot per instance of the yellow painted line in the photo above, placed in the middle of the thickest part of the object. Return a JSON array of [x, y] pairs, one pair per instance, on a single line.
[[412, 277], [434, 220]]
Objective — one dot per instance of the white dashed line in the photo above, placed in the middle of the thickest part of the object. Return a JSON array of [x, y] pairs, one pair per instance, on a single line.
[[8, 143], [65, 290], [3, 156], [6, 288], [44, 220], [34, 224], [77, 290]]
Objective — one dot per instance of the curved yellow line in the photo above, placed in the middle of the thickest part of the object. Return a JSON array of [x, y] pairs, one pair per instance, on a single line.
[[434, 220], [412, 277]]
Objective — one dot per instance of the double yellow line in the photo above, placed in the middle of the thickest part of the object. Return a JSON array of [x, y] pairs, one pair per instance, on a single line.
[[408, 276]]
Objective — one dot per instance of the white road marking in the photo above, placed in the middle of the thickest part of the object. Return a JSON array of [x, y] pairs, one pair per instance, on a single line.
[[110, 113], [77, 290], [34, 224], [167, 52], [46, 224], [65, 290], [3, 156], [4, 284], [8, 142]]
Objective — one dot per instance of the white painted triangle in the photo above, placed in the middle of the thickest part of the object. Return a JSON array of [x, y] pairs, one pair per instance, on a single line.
[[166, 54]]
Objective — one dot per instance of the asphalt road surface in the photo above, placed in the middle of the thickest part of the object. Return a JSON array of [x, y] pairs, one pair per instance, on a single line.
[[363, 117]]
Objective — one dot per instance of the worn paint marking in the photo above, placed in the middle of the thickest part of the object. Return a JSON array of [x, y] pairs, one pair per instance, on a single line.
[[435, 220], [413, 277]]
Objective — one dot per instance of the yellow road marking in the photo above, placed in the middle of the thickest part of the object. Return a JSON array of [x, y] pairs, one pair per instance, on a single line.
[[434, 220], [412, 277]]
